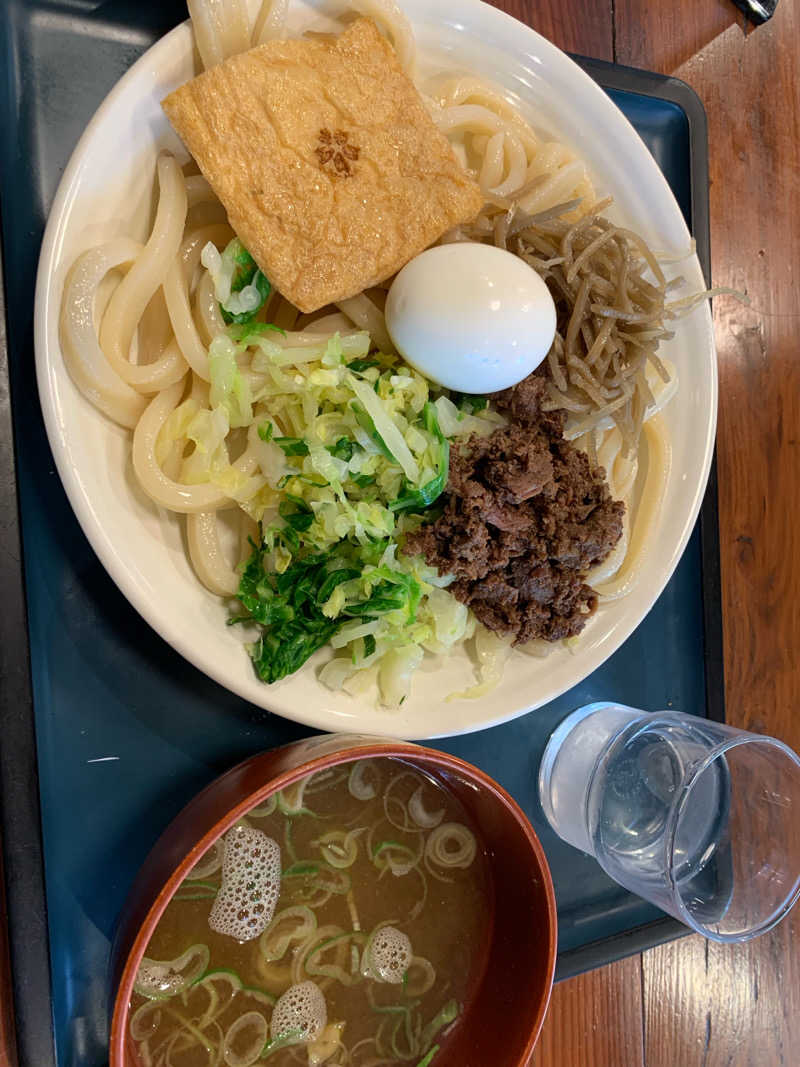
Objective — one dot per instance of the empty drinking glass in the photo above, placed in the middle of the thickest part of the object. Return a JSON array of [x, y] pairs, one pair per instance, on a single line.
[[699, 818]]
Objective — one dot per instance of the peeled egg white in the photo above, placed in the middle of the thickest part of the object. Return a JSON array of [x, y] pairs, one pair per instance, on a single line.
[[471, 317]]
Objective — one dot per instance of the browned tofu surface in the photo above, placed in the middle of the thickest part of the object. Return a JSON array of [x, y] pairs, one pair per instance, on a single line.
[[331, 170]]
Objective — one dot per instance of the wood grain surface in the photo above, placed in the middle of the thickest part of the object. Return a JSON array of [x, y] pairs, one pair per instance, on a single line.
[[693, 1003]]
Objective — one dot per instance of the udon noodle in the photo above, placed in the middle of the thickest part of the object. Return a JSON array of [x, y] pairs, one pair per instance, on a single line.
[[149, 363]]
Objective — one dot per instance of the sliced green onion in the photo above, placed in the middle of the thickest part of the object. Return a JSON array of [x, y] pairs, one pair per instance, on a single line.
[[301, 921], [290, 800], [339, 849], [313, 965], [221, 987], [439, 849], [265, 809], [159, 980], [209, 863], [145, 1021], [416, 809], [251, 1021], [428, 1057], [446, 1014], [357, 784]]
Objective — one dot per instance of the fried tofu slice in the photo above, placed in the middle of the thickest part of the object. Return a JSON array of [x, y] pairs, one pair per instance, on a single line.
[[329, 167]]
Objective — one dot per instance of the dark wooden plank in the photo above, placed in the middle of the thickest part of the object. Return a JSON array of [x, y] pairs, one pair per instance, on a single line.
[[595, 1020], [583, 26], [710, 1004]]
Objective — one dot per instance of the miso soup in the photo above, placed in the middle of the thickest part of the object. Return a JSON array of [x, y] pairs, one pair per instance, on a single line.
[[345, 922]]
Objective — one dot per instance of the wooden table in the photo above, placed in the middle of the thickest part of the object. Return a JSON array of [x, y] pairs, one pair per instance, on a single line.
[[692, 1002]]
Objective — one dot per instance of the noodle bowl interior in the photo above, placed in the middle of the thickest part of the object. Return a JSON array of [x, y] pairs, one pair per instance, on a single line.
[[346, 921], [326, 452]]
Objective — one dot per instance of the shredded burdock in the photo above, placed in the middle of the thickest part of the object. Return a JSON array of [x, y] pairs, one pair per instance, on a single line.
[[613, 304]]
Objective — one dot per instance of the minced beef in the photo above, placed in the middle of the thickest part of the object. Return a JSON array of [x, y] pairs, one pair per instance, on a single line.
[[525, 516]]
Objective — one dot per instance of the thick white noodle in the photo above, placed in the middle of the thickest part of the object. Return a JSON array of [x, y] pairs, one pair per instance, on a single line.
[[88, 367], [490, 136], [271, 22], [133, 294], [210, 320], [205, 552], [659, 462], [203, 14], [163, 490], [367, 316], [558, 189], [394, 23], [221, 29], [198, 191], [467, 89], [176, 292]]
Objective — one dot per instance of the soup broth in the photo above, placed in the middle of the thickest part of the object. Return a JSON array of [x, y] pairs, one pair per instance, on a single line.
[[346, 921]]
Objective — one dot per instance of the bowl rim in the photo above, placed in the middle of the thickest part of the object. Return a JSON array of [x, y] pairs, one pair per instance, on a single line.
[[369, 749]]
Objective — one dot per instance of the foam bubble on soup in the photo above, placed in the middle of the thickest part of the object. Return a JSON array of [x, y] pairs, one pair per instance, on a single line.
[[251, 884], [300, 1015], [388, 955]]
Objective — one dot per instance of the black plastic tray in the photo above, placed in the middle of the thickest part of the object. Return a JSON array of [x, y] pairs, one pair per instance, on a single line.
[[85, 680]]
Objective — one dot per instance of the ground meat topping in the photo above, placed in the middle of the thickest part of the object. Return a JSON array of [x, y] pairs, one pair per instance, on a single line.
[[525, 516]]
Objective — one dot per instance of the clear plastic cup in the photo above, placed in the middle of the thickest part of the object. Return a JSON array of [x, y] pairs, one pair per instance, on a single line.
[[699, 818]]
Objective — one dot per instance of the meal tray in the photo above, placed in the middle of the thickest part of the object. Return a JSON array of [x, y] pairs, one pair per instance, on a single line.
[[106, 731]]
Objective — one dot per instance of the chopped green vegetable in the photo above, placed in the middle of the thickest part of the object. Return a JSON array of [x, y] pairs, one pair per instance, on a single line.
[[265, 431], [343, 449], [366, 423], [426, 494], [292, 446], [469, 404], [293, 607], [359, 365], [428, 1057], [246, 273], [446, 1014], [245, 333], [298, 870]]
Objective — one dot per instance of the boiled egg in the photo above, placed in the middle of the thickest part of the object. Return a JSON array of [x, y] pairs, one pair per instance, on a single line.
[[471, 317]]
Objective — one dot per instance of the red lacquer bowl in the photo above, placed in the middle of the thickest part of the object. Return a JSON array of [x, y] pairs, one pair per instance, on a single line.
[[503, 1021]]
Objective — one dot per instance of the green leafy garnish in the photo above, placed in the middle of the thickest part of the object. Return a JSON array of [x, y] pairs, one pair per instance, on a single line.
[[425, 495], [292, 446], [428, 1057], [468, 404], [359, 365], [364, 420], [289, 606], [343, 449], [265, 431], [244, 333], [298, 870], [246, 273]]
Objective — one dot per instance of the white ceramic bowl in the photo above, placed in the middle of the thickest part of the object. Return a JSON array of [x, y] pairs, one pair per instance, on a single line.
[[106, 191]]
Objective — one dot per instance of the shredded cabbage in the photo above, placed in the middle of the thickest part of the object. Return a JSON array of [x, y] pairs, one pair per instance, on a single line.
[[350, 442], [351, 452]]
